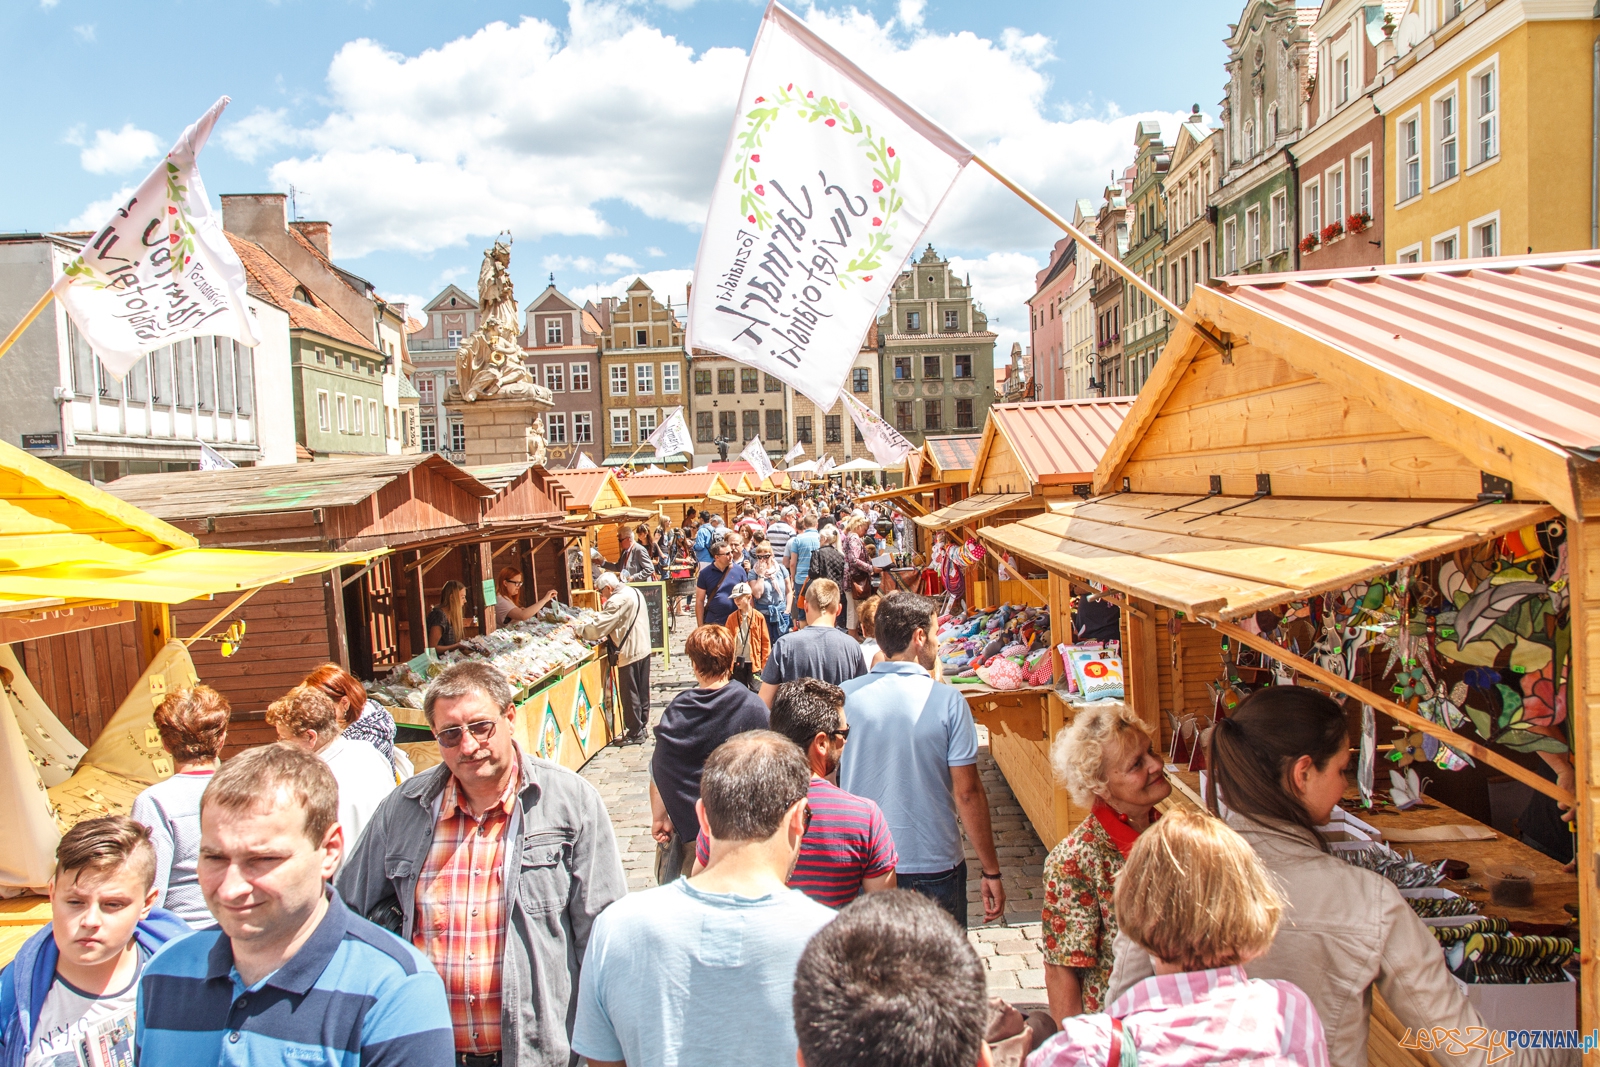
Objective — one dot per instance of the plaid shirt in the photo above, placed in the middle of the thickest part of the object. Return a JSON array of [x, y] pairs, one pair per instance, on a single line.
[[461, 913]]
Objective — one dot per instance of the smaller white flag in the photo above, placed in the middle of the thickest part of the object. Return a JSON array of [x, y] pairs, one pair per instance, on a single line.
[[212, 460], [794, 453], [755, 454], [886, 443], [672, 436], [584, 462], [826, 465]]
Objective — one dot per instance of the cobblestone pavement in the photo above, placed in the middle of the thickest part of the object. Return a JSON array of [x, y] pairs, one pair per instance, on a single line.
[[1009, 948]]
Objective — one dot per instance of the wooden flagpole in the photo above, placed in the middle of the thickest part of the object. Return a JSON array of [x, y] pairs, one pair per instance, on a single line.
[[27, 320]]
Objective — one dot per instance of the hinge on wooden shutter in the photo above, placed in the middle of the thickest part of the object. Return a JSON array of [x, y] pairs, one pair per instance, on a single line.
[[1263, 485], [1216, 485], [1495, 487], [1081, 489]]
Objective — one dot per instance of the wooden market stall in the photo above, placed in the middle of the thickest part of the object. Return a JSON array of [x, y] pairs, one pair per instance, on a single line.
[[1396, 451]]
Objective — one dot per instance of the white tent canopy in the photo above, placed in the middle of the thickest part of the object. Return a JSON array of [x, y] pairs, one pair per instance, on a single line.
[[860, 464], [808, 467]]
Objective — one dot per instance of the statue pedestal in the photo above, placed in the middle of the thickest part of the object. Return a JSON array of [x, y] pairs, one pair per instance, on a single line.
[[497, 430]]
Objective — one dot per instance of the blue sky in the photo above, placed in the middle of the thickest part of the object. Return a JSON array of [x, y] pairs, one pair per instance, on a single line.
[[591, 130]]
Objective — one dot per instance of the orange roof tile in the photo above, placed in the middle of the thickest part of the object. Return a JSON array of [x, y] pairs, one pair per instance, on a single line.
[[271, 281], [1060, 441]]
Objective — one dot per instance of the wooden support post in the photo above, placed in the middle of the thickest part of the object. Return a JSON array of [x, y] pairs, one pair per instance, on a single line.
[[1140, 671], [333, 609], [155, 630], [477, 566], [1583, 563], [414, 581]]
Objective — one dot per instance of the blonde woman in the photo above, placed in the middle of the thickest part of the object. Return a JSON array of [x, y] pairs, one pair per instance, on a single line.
[[447, 622], [1195, 898], [858, 570], [1105, 761]]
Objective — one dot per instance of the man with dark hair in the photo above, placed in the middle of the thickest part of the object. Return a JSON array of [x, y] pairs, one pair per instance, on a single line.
[[847, 849], [915, 752], [700, 972], [497, 864], [291, 972], [713, 591], [819, 649], [890, 983]]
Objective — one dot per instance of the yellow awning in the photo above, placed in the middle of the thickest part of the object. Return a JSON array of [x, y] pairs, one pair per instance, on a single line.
[[904, 490], [168, 578], [1227, 557], [970, 509]]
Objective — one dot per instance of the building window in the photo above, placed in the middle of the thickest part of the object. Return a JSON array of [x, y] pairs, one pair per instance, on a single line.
[[1409, 255], [728, 425], [430, 437], [580, 377], [963, 414], [641, 339], [1362, 192], [425, 389], [1313, 203], [1230, 246], [831, 428], [555, 426], [621, 428], [552, 331], [752, 425], [1250, 139], [802, 429], [1445, 246], [913, 320], [860, 380], [769, 384], [670, 382], [583, 428], [1341, 80], [458, 437], [341, 407], [932, 367], [1335, 209], [647, 424], [774, 433], [902, 368], [952, 320], [1485, 111], [619, 379], [1410, 158], [324, 423], [555, 378], [702, 382], [704, 428], [725, 380], [1280, 223], [1252, 235], [452, 338], [645, 378], [1444, 125], [933, 414], [749, 380], [1486, 237], [963, 363], [903, 420], [374, 426]]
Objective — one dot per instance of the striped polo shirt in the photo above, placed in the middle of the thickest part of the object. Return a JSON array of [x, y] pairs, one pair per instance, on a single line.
[[353, 995], [848, 841]]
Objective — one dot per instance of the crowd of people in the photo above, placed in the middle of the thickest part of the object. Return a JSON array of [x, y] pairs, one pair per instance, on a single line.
[[315, 901]]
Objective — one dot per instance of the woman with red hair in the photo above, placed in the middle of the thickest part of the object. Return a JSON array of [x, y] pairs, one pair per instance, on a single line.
[[363, 719]]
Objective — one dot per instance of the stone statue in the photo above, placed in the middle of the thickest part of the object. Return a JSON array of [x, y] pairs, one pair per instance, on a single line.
[[538, 450], [489, 362]]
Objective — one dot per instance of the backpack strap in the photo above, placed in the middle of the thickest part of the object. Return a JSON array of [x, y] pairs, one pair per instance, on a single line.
[[1124, 1053]]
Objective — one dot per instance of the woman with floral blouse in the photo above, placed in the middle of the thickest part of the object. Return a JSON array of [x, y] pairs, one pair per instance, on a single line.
[[1105, 761]]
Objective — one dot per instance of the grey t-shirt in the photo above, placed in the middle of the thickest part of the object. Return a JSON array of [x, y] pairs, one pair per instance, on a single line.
[[824, 652]]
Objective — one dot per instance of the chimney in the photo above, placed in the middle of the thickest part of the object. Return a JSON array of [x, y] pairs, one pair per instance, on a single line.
[[256, 216], [320, 234]]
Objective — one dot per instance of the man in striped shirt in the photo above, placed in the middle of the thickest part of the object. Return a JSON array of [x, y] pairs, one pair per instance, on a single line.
[[292, 975], [847, 849]]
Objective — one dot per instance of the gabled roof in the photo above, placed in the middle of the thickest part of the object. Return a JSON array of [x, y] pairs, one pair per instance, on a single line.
[[685, 485], [1054, 442], [639, 286], [463, 298], [590, 489], [269, 280], [552, 293], [951, 455]]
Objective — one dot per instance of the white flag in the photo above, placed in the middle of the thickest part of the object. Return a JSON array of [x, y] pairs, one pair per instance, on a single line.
[[886, 443], [794, 453], [826, 186], [825, 465], [161, 270], [755, 454], [584, 462], [672, 436], [212, 460]]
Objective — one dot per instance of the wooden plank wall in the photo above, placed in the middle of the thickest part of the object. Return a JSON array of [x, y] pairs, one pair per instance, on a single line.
[[85, 676], [286, 638], [1002, 473]]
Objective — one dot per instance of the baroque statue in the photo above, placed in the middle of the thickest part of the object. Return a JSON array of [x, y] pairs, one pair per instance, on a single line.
[[489, 362]]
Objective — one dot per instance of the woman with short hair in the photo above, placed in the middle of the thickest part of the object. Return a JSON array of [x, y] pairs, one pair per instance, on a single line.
[[193, 724], [361, 718], [1105, 761], [828, 562], [308, 718]]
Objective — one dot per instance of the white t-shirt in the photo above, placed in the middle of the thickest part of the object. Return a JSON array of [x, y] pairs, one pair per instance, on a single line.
[[70, 1018], [364, 778]]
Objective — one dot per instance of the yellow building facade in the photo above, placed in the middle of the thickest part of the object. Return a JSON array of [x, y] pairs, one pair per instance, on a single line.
[[1487, 129]]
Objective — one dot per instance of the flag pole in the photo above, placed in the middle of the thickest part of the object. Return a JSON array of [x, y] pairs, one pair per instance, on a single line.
[[1087, 243], [27, 320]]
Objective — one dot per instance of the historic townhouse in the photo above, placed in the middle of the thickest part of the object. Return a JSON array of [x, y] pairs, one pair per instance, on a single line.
[[834, 433], [1077, 312], [1146, 256], [1111, 234], [642, 363], [561, 346], [449, 317], [1047, 335], [1191, 180]]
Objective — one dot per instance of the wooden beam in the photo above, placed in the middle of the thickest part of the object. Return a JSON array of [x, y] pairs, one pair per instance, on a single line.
[[1396, 711], [1583, 715], [223, 614]]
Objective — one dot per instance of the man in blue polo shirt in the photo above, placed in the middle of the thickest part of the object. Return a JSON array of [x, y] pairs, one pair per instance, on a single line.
[[709, 533], [292, 975]]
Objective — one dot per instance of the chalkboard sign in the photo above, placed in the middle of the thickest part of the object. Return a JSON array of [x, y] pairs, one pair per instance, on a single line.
[[655, 601]]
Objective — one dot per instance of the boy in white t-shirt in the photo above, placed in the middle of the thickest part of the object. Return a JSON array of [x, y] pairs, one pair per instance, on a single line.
[[69, 997]]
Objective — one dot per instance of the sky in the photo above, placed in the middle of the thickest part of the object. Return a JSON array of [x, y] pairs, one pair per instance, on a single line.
[[591, 130]]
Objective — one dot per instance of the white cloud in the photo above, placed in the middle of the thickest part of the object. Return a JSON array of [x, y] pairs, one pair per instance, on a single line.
[[653, 252], [579, 264], [414, 302], [46, 5], [666, 284], [115, 151], [1002, 283], [617, 261], [259, 132], [85, 32], [911, 13], [97, 213]]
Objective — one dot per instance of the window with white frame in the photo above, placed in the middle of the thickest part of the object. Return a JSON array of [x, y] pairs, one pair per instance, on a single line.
[[1409, 255], [1445, 138], [1250, 139], [430, 437], [1361, 185], [1410, 162], [645, 378], [1334, 208], [555, 427], [619, 379], [1280, 221], [1252, 231], [453, 338], [671, 378], [620, 427], [1485, 85], [425, 389], [647, 423], [580, 377], [1230, 246], [458, 436], [323, 421], [582, 428], [1342, 71], [1311, 197], [1447, 245], [555, 377], [341, 406], [552, 331], [1485, 236], [374, 426]]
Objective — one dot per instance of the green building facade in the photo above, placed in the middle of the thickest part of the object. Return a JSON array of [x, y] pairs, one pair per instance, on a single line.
[[338, 396]]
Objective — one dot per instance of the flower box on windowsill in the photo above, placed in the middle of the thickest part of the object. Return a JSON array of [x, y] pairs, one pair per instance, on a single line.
[[1358, 222], [1332, 231], [1309, 243]]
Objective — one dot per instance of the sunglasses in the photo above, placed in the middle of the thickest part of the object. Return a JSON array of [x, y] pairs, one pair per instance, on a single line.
[[450, 736], [843, 735]]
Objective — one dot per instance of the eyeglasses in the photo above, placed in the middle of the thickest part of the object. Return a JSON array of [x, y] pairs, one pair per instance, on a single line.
[[843, 735], [513, 581], [450, 736], [806, 815]]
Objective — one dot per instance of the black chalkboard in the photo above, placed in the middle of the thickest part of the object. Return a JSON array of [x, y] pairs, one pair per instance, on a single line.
[[655, 601]]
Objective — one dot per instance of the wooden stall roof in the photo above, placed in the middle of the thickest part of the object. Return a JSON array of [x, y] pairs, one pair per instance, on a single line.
[[1227, 557], [1042, 443], [522, 494], [685, 485], [950, 459], [591, 490], [898, 491], [971, 509]]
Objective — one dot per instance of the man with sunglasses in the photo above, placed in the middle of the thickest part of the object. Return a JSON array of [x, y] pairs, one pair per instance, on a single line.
[[495, 865]]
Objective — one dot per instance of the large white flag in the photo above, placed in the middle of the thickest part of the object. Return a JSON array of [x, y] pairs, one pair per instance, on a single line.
[[887, 444], [672, 436], [794, 453], [755, 454], [826, 186], [161, 270]]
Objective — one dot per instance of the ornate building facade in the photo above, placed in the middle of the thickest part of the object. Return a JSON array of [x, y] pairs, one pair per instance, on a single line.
[[642, 364], [1146, 332], [561, 346], [1191, 181]]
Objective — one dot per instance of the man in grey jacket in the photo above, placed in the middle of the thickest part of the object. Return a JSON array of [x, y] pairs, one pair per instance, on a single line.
[[625, 621], [498, 864]]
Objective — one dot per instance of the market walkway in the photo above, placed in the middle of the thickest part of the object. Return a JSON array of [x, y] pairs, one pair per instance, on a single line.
[[1010, 948]]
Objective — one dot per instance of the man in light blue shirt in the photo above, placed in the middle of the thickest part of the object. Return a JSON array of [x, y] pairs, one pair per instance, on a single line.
[[914, 751], [801, 546], [709, 531], [700, 971]]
